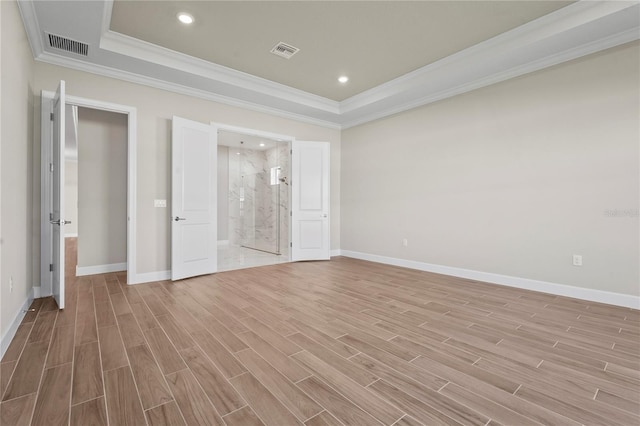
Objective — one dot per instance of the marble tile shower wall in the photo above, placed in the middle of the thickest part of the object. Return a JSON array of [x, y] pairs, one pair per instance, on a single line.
[[255, 206]]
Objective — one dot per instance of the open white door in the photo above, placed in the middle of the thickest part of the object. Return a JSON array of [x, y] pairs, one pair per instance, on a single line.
[[57, 203], [310, 232], [193, 199]]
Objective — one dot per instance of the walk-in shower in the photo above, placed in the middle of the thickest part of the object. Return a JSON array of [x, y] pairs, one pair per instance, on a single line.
[[257, 210]]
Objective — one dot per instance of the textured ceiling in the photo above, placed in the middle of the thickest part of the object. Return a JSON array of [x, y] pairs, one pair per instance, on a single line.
[[370, 41]]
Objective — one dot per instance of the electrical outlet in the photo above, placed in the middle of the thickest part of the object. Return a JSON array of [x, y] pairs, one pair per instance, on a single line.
[[577, 260], [405, 242], [10, 284], [159, 203]]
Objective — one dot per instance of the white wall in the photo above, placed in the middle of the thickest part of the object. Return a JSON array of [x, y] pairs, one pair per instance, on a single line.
[[155, 108], [18, 212], [102, 188], [511, 179], [223, 193], [71, 197]]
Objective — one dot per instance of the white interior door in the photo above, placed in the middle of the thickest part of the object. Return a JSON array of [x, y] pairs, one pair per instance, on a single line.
[[310, 232], [57, 203], [193, 199]]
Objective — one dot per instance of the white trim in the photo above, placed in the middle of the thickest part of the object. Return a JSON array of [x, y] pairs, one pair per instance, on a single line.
[[45, 181], [223, 243], [100, 269], [36, 292], [148, 81], [147, 277], [555, 24], [592, 295], [31, 25], [336, 252], [17, 319], [72, 235], [493, 78], [136, 48], [46, 132]]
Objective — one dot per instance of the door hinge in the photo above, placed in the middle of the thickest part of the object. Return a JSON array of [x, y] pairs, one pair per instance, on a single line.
[[51, 267], [290, 244], [50, 216], [51, 167], [291, 213], [51, 116]]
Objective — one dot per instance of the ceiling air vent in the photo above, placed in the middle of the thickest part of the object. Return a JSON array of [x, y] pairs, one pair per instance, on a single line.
[[68, 45], [285, 50]]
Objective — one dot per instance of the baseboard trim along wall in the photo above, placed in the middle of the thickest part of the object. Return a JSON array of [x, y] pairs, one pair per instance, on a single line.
[[11, 332], [335, 253], [600, 296], [100, 269]]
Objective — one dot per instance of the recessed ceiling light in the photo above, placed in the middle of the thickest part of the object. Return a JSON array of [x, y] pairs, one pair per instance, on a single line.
[[343, 79], [261, 143], [237, 153], [185, 18]]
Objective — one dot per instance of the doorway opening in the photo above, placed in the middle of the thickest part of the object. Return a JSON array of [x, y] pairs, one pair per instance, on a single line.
[[54, 132], [253, 200], [95, 193]]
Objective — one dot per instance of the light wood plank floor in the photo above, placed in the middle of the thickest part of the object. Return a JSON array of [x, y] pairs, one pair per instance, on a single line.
[[320, 343]]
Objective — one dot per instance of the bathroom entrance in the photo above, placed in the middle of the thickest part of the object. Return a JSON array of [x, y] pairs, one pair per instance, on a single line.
[[253, 200]]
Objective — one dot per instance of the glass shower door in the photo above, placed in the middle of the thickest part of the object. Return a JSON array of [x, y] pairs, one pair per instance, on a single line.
[[260, 211]]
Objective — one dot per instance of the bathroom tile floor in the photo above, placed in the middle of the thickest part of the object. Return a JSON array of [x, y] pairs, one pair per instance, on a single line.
[[235, 257]]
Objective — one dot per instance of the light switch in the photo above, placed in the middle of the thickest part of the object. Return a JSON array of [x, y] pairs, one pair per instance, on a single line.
[[160, 203]]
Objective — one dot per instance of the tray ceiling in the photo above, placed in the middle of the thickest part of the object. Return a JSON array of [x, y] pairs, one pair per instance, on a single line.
[[398, 55]]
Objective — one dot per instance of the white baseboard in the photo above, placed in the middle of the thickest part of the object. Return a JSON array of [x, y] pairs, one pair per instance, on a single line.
[[100, 269], [36, 292], [71, 235], [11, 332], [223, 242], [149, 277], [592, 295], [336, 252]]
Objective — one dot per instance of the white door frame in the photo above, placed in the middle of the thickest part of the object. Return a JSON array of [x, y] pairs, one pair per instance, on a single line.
[[46, 133], [261, 134]]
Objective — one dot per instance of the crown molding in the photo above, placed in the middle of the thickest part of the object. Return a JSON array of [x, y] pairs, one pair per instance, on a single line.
[[129, 46], [67, 62], [545, 62], [123, 44], [31, 25], [576, 30], [555, 24]]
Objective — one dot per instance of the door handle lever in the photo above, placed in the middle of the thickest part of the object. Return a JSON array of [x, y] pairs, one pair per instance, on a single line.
[[59, 222], [179, 218]]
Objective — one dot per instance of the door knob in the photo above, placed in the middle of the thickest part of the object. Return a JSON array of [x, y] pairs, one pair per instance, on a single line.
[[324, 215], [179, 218]]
